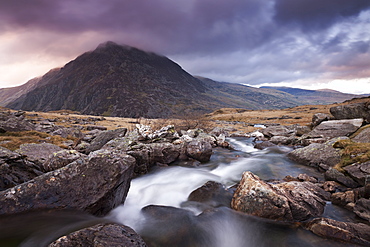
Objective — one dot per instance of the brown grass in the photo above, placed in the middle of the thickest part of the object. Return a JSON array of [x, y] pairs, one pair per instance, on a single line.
[[352, 152], [13, 140]]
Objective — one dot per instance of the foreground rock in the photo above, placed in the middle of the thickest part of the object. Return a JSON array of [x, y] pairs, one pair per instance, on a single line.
[[38, 153], [289, 201], [109, 234], [95, 185], [344, 231]]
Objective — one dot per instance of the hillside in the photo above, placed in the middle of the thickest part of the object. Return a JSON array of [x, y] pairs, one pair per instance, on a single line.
[[115, 80], [316, 97]]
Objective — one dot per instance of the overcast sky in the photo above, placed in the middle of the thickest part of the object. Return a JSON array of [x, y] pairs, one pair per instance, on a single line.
[[299, 43]]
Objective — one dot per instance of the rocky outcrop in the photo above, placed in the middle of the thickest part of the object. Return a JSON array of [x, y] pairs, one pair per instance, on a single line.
[[350, 111], [335, 128], [362, 208], [15, 170], [102, 138], [322, 155], [343, 231], [14, 122], [362, 135], [288, 201], [60, 159], [358, 172], [108, 234], [95, 185]]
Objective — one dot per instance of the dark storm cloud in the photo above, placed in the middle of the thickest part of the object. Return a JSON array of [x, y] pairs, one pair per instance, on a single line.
[[317, 14]]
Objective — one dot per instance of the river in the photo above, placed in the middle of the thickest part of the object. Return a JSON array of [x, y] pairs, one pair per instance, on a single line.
[[169, 219]]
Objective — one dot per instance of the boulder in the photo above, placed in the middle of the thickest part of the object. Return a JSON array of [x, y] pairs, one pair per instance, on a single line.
[[14, 170], [68, 132], [38, 153], [288, 201], [148, 155], [333, 174], [95, 185], [335, 128], [316, 154], [168, 132], [362, 135], [358, 171], [350, 111], [13, 123], [105, 136], [345, 199], [199, 150], [362, 208], [279, 130], [356, 233], [60, 159], [318, 118], [213, 194], [264, 144], [103, 234]]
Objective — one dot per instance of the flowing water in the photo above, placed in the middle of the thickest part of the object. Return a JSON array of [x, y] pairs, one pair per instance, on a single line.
[[158, 209]]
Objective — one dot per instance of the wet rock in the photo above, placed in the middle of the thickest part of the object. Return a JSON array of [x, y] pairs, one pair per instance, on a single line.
[[279, 130], [108, 234], [288, 201], [345, 198], [350, 111], [213, 194], [103, 137], [14, 170], [148, 155], [318, 118], [345, 231], [358, 171], [362, 135], [60, 159], [334, 175], [264, 144], [316, 154], [38, 153], [362, 208], [95, 185], [335, 128], [199, 150]]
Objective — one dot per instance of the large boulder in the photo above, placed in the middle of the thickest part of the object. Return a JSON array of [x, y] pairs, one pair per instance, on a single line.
[[108, 234], [317, 154], [95, 185], [336, 128], [14, 170], [105, 136], [288, 201], [357, 110], [343, 231], [199, 150], [148, 155]]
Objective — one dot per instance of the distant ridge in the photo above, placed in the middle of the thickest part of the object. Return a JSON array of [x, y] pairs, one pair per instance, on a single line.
[[317, 97]]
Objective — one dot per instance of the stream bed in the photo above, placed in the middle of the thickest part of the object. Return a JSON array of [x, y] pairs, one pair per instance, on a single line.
[[157, 205]]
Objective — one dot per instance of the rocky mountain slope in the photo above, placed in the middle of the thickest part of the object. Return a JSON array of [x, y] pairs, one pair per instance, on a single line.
[[115, 80]]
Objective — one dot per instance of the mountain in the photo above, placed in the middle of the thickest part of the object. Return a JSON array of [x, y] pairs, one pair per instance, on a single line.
[[317, 97], [116, 80]]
